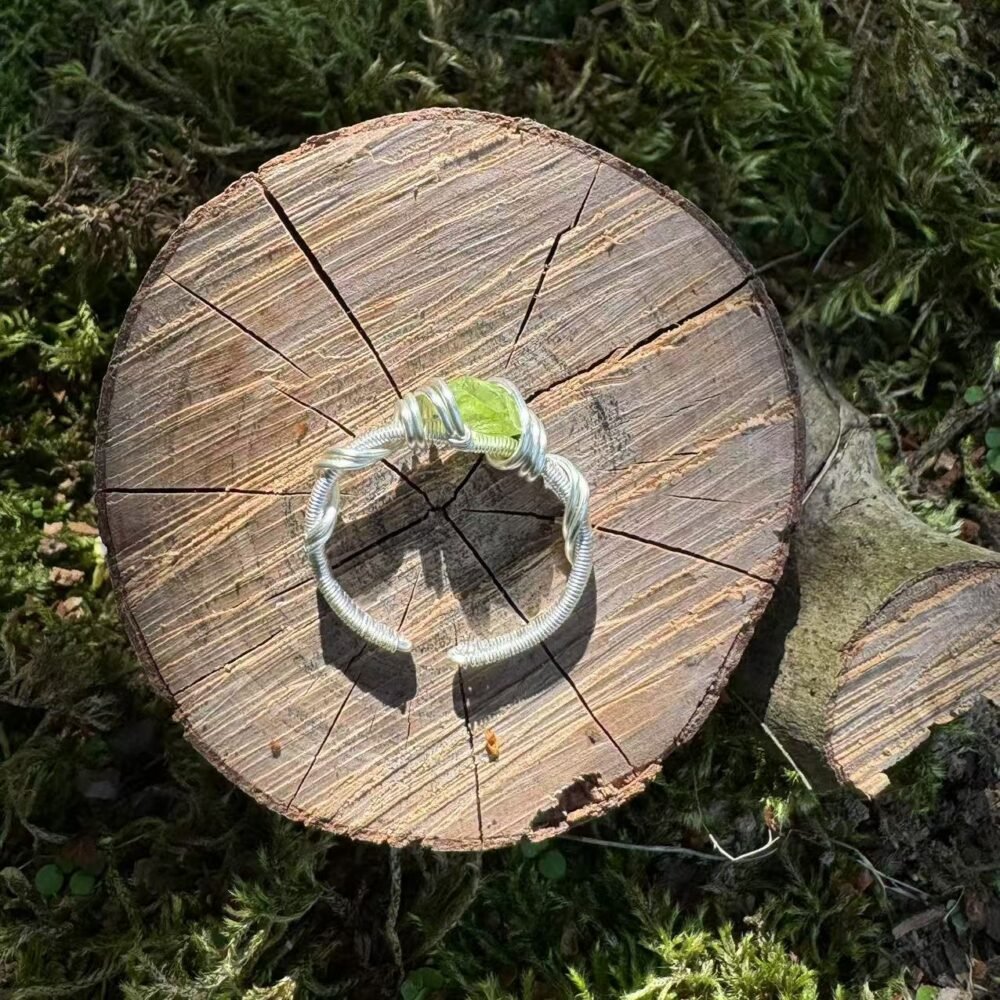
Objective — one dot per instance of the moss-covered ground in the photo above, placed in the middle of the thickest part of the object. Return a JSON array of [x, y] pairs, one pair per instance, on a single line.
[[851, 147]]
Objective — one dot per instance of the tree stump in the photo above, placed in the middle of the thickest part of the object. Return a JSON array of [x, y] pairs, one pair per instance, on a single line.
[[285, 316], [898, 625]]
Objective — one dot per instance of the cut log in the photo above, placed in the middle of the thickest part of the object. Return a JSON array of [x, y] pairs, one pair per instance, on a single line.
[[286, 316], [898, 625]]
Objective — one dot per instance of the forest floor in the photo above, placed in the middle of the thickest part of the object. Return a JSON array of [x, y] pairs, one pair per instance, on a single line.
[[853, 151]]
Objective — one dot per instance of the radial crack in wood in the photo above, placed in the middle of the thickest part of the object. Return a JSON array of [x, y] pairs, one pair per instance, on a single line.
[[354, 675], [544, 646], [679, 550], [545, 266], [325, 277], [239, 326], [472, 751], [151, 490]]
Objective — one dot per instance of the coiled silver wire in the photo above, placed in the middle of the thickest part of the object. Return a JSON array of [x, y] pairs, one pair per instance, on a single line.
[[440, 422]]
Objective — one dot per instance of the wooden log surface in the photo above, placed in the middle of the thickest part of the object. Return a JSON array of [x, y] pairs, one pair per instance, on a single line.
[[897, 626], [285, 316]]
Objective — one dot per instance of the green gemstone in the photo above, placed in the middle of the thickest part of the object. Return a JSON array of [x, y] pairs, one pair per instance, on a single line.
[[486, 407]]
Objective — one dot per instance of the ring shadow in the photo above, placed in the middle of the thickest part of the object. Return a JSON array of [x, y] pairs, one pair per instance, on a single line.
[[392, 677], [498, 684]]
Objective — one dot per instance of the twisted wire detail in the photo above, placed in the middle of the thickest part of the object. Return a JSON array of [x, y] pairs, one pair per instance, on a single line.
[[431, 416]]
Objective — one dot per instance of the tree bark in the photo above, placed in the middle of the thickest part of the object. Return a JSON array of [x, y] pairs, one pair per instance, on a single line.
[[897, 627], [286, 316]]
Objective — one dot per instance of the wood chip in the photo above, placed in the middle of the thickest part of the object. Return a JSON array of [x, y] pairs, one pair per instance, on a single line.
[[82, 528], [917, 921], [62, 577], [71, 607]]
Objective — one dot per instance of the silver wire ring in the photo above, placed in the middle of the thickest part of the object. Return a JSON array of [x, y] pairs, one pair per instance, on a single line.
[[440, 421]]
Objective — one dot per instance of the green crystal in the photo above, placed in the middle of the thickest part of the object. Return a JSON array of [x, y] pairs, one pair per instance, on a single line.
[[486, 407]]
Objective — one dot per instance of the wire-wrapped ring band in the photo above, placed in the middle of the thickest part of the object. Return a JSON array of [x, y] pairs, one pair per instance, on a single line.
[[439, 421]]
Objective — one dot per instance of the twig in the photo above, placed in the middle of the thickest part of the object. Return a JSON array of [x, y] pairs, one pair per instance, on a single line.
[[862, 19], [959, 418], [835, 450], [769, 733], [771, 839], [747, 855], [830, 459], [826, 252], [954, 906], [392, 913], [721, 855], [783, 259], [887, 882], [719, 858]]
